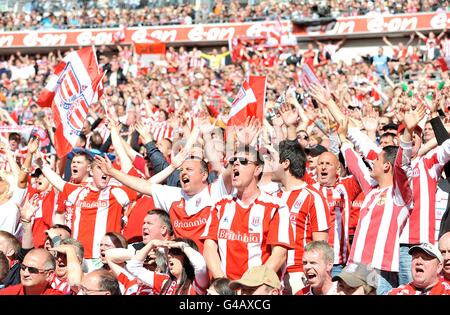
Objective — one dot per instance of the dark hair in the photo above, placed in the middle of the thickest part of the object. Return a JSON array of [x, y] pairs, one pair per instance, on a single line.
[[166, 114], [164, 218], [117, 239], [251, 150], [83, 138], [187, 274], [292, 151], [222, 286], [78, 246], [96, 140], [108, 282], [13, 241], [62, 226], [390, 153], [388, 134], [4, 266], [15, 136]]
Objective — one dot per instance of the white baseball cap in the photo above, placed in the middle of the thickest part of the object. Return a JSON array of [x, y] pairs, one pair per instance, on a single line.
[[428, 248]]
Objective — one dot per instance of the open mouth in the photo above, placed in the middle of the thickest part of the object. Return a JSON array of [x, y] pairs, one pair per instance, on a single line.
[[104, 177], [323, 174], [185, 179], [235, 173], [311, 277], [419, 270], [74, 171]]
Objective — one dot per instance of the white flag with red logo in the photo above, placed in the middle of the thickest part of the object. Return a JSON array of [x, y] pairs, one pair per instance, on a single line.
[[249, 102], [74, 86]]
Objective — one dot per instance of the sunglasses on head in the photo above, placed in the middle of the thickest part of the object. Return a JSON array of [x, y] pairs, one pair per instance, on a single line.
[[33, 270], [242, 160]]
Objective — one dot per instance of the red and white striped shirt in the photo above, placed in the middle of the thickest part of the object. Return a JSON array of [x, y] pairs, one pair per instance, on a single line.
[[426, 171], [308, 213], [43, 217], [61, 285], [245, 234], [130, 285], [445, 44], [95, 212], [441, 288], [188, 214], [339, 199], [383, 213]]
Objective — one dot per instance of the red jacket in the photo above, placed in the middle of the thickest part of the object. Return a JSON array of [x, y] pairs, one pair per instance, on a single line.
[[18, 289]]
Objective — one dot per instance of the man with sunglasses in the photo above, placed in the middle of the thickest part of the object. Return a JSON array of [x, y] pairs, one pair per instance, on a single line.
[[36, 273], [249, 227]]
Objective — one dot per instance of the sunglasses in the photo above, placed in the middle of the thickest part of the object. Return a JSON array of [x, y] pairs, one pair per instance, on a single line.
[[242, 160], [304, 137], [32, 270]]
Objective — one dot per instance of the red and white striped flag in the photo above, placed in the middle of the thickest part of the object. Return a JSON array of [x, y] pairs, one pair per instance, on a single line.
[[307, 76], [249, 102], [148, 52], [75, 85]]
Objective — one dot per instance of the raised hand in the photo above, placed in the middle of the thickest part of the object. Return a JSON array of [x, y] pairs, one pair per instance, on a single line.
[[289, 115], [414, 116], [248, 133], [370, 121], [104, 163], [179, 158], [33, 145], [28, 210], [343, 128], [144, 132], [319, 93]]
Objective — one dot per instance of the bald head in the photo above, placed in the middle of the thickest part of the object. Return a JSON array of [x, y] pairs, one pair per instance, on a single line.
[[43, 256], [444, 248], [328, 169], [99, 282]]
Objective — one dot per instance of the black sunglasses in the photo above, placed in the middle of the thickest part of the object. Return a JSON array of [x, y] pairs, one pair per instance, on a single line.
[[242, 160], [33, 270]]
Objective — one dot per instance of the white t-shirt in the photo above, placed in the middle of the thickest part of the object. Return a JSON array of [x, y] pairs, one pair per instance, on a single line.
[[10, 214]]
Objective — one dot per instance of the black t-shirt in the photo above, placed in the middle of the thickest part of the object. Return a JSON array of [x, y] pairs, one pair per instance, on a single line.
[[13, 276]]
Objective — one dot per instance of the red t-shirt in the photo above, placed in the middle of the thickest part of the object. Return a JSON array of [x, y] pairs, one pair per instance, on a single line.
[[18, 289]]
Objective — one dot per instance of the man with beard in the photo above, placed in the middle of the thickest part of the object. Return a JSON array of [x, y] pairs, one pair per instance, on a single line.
[[97, 208]]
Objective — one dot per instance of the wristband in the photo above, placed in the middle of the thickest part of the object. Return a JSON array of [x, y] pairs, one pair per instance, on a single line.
[[25, 170], [25, 221]]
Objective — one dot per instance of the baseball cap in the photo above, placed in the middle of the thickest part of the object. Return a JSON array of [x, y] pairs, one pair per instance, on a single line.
[[428, 248], [356, 275], [316, 151], [256, 276], [390, 126]]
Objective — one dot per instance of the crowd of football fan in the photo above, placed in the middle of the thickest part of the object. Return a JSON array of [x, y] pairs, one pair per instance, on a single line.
[[76, 14], [341, 189]]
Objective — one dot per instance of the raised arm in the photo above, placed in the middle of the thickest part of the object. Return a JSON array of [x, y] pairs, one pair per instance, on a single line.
[[51, 175], [354, 161]]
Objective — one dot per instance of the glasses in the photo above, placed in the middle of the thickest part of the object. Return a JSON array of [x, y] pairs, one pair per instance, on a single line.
[[304, 137], [33, 270], [86, 291], [242, 160]]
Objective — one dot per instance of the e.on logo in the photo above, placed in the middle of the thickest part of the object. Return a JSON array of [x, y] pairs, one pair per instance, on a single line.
[[380, 24], [49, 39], [199, 33]]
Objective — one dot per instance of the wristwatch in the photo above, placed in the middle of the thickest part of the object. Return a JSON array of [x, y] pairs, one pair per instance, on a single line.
[[25, 170]]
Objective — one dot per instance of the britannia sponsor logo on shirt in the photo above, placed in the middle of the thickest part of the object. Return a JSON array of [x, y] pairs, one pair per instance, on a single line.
[[92, 204], [189, 224], [238, 236]]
